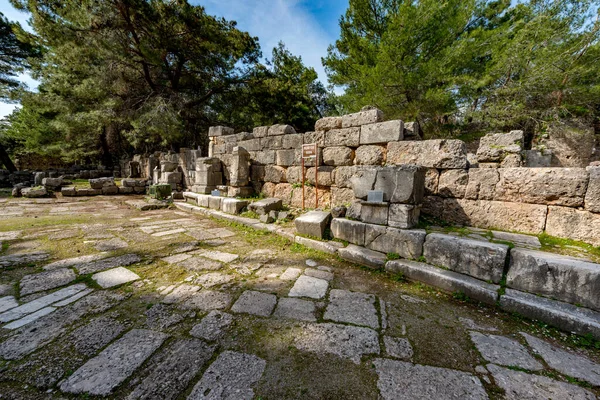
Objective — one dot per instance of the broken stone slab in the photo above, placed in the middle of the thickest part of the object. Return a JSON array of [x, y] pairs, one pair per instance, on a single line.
[[180, 293], [449, 281], [200, 264], [565, 362], [265, 206], [352, 307], [70, 262], [7, 302], [313, 223], [403, 184], [406, 243], [365, 117], [298, 309], [482, 260], [398, 347], [400, 380], [233, 206], [291, 274], [231, 376], [504, 351], [326, 247], [103, 373], [34, 192], [382, 132], [207, 300], [219, 256], [438, 153], [29, 318], [351, 342], [147, 206], [213, 279], [307, 286], [349, 231], [213, 326], [363, 256], [519, 385], [255, 303], [107, 263], [318, 273], [19, 259], [518, 239], [99, 183], [560, 277], [46, 281], [114, 277]]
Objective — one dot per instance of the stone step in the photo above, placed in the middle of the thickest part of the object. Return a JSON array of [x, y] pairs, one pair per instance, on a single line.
[[363, 256], [449, 281]]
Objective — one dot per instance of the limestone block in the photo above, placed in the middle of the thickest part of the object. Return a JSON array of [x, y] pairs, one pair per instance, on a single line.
[[265, 206], [215, 131], [412, 129], [219, 149], [328, 123], [325, 175], [343, 137], [172, 177], [292, 141], [260, 131], [382, 133], [439, 153], [341, 196], [244, 191], [310, 162], [129, 182], [214, 202], [209, 178], [482, 183], [99, 183], [243, 136], [274, 173], [512, 161], [362, 118], [257, 173], [265, 157], [493, 147], [268, 189], [362, 256], [401, 184], [553, 186], [574, 224], [538, 158], [123, 190], [374, 213], [406, 243], [271, 142], [294, 174], [313, 223], [453, 183], [233, 206], [338, 156], [251, 144], [106, 190], [286, 158], [277, 130], [348, 230], [283, 191], [432, 177], [363, 181], [309, 199], [317, 137], [69, 191], [403, 216], [592, 195], [562, 278], [205, 164], [370, 155], [342, 176], [34, 192], [479, 259]]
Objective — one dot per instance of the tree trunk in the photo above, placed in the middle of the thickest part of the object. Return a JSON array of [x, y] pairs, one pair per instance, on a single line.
[[5, 159]]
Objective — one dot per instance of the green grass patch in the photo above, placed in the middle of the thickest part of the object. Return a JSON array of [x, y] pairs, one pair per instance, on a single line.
[[551, 243], [250, 214], [392, 256]]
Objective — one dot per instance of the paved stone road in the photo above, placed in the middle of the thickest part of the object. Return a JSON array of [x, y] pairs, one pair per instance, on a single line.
[[97, 299]]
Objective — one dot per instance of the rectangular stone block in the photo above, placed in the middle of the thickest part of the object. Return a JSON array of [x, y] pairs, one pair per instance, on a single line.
[[559, 277], [214, 202], [317, 137], [479, 259], [362, 118], [403, 184], [343, 137], [233, 206], [439, 153], [341, 196], [209, 178], [348, 230], [286, 158], [328, 123], [453, 183], [264, 157], [482, 183], [362, 256], [494, 147], [324, 175], [277, 130], [406, 243], [592, 195], [292, 141], [215, 131], [403, 216], [251, 144], [382, 133], [573, 224], [313, 223], [260, 131], [374, 213], [69, 191]]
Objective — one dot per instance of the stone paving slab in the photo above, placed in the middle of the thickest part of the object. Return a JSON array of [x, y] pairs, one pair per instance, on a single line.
[[504, 351], [46, 281], [291, 274], [10, 235], [200, 264], [20, 259], [398, 347], [352, 307], [177, 258], [255, 303], [111, 244], [7, 302], [102, 374], [71, 262], [519, 385], [207, 300], [107, 263], [564, 362], [173, 369], [162, 316], [29, 318], [73, 298], [307, 286], [472, 325], [114, 277], [180, 293], [95, 335], [318, 273], [169, 232], [212, 326], [302, 310], [219, 256], [400, 380], [350, 342], [231, 376], [213, 279]]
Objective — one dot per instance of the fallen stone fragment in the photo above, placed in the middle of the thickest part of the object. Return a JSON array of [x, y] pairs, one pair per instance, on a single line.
[[102, 374], [302, 310], [231, 376], [504, 351], [212, 326], [114, 277], [350, 342], [352, 307], [400, 380], [200, 264], [107, 263], [398, 347], [255, 303], [307, 286], [519, 385], [46, 281]]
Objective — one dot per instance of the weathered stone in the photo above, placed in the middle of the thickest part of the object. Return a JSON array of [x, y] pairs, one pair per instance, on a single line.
[[412, 129], [99, 183], [213, 279], [260, 131], [325, 247], [233, 206], [538, 158], [504, 351], [370, 155], [328, 123], [482, 184], [291, 274], [348, 230], [362, 181], [283, 191], [519, 385], [307, 286], [341, 197], [374, 213], [324, 196], [264, 157], [400, 380], [298, 309], [102, 374], [95, 335], [46, 281], [352, 307], [338, 156], [494, 147], [68, 191], [406, 243], [453, 183], [212, 326], [403, 216], [286, 158], [398, 347], [29, 318], [449, 281], [34, 192], [207, 300], [574, 224], [439, 153], [114, 277], [350, 342], [343, 137], [265, 206], [478, 259], [362, 256], [559, 277], [7, 302], [382, 133], [293, 141], [401, 184], [325, 176], [592, 195], [553, 186], [294, 174], [277, 130], [110, 190], [111, 244], [215, 131], [231, 376], [432, 177], [124, 190], [365, 117], [512, 161], [313, 223], [318, 273], [25, 258], [274, 173], [255, 303], [343, 175], [57, 182]]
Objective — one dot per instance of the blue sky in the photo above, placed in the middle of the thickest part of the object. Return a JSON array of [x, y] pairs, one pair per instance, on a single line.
[[306, 27]]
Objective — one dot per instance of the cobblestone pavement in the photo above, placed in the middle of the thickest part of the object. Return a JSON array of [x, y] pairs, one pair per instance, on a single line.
[[97, 299]]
